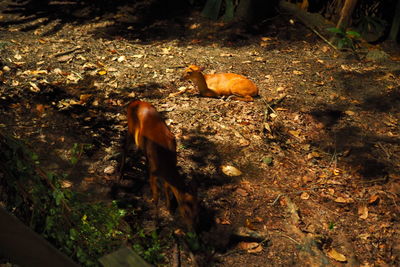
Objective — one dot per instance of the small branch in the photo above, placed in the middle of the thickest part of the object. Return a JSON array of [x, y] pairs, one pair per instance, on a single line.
[[62, 53], [187, 248], [288, 237], [176, 257], [384, 150], [323, 38]]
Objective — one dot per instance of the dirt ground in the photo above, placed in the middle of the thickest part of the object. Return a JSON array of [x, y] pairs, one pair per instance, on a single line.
[[318, 150]]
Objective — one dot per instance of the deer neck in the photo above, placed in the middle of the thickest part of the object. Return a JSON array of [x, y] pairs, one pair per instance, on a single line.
[[199, 80]]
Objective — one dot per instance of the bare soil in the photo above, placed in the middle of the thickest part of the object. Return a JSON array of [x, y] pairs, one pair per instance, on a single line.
[[319, 149]]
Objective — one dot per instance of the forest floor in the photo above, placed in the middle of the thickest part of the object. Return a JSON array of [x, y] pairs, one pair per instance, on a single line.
[[320, 168]]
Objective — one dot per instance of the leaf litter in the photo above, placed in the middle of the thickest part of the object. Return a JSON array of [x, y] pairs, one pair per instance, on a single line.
[[319, 166]]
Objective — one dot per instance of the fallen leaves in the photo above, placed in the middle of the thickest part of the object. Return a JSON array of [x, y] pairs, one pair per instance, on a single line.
[[250, 247], [350, 113], [295, 133], [373, 199], [230, 170], [332, 253], [102, 72], [344, 199], [305, 196], [363, 211], [34, 88]]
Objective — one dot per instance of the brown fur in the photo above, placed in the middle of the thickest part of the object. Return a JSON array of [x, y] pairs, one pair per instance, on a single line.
[[221, 84], [151, 135]]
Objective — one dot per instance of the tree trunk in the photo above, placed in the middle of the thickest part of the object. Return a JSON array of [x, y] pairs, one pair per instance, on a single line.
[[345, 14], [253, 11], [394, 30]]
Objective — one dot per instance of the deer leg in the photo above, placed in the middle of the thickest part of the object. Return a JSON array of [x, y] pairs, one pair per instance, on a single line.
[[154, 191]]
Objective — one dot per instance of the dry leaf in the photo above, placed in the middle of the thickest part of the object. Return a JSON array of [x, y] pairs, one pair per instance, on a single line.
[[267, 127], [194, 26], [102, 72], [84, 98], [40, 108], [34, 87], [373, 199], [325, 48], [74, 102], [295, 133], [251, 247], [89, 66], [349, 112], [313, 154], [35, 72], [17, 56], [297, 72], [304, 196], [244, 142], [242, 192], [64, 58], [336, 255], [250, 225], [255, 250], [307, 179], [344, 200], [222, 221], [195, 41], [336, 171], [230, 170], [121, 58], [109, 169], [66, 184], [305, 147], [363, 211], [265, 39], [364, 236]]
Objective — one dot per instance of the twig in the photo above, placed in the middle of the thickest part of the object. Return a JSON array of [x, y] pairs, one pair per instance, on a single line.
[[323, 38], [291, 238], [384, 150], [191, 255], [277, 198], [176, 258], [66, 52], [296, 192]]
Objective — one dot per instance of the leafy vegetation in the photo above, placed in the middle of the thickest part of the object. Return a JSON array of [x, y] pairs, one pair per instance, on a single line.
[[77, 150], [149, 246], [345, 39], [84, 231]]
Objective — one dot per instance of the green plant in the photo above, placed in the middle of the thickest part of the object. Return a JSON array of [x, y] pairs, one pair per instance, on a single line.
[[193, 241], [3, 44], [345, 39], [213, 8], [77, 151], [331, 225], [84, 231], [149, 246]]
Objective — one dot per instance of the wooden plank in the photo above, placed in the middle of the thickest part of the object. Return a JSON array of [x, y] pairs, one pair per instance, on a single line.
[[125, 257], [24, 247]]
